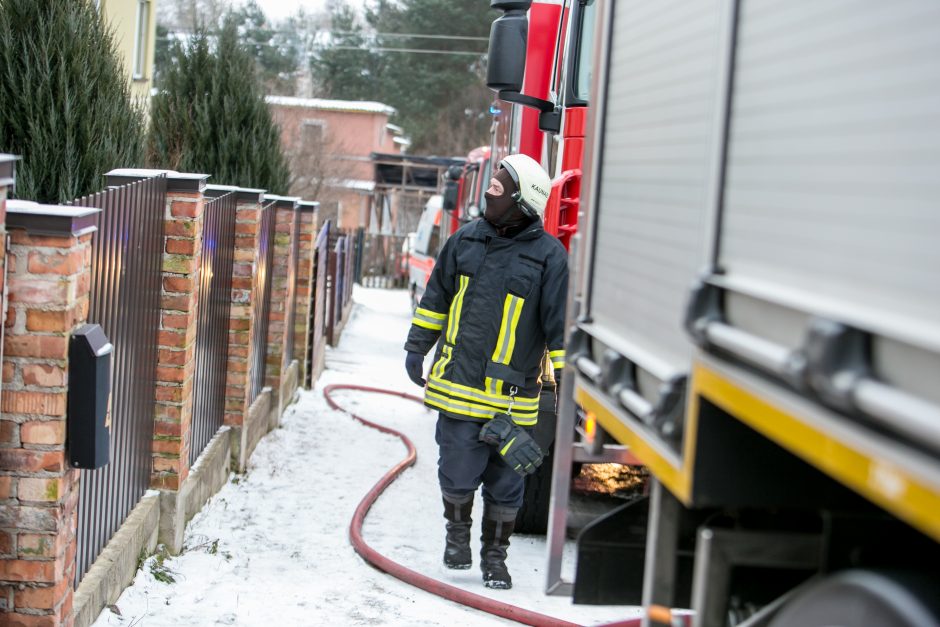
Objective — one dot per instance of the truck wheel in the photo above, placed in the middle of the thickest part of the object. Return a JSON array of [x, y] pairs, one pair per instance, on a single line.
[[862, 598], [533, 515]]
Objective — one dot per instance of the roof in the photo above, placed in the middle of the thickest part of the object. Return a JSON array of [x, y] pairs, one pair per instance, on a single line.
[[395, 170], [354, 106], [356, 184]]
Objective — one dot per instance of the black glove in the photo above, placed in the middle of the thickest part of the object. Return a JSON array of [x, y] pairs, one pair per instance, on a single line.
[[558, 372], [414, 365], [515, 446]]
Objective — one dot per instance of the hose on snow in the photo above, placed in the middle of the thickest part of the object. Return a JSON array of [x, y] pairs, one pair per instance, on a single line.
[[428, 584]]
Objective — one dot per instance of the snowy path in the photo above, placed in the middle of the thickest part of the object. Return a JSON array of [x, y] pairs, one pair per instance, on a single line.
[[271, 548]]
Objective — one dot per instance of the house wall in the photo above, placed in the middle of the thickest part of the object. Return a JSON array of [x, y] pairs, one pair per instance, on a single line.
[[348, 137], [122, 16]]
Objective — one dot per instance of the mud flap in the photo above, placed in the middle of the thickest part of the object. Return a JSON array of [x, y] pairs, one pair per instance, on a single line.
[[611, 553]]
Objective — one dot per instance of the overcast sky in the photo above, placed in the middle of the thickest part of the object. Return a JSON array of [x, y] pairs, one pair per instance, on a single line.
[[279, 9]]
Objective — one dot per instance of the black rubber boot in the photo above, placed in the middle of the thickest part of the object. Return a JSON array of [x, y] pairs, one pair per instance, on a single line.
[[498, 522], [457, 549]]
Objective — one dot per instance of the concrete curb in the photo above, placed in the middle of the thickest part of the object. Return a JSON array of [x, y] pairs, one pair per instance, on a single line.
[[291, 380], [116, 567], [205, 478], [255, 426]]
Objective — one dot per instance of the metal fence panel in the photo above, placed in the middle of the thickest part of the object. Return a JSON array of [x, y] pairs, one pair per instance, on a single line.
[[290, 302], [318, 301], [127, 253], [380, 260], [262, 304], [214, 308]]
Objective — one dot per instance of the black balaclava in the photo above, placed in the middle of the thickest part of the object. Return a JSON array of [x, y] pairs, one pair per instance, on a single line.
[[502, 211]]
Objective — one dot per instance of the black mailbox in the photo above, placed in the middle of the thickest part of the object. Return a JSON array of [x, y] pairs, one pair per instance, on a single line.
[[89, 435]]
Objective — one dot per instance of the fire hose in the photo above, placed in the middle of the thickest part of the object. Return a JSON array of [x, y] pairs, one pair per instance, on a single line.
[[428, 584]]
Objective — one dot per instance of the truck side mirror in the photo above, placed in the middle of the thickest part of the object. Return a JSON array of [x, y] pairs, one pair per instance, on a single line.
[[508, 34], [449, 202]]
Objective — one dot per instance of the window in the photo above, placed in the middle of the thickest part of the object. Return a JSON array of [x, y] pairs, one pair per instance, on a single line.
[[311, 134], [140, 41], [585, 58]]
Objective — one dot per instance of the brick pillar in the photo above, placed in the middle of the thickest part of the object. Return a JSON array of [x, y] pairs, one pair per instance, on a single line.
[[177, 336], [304, 289], [49, 282], [247, 223], [281, 292]]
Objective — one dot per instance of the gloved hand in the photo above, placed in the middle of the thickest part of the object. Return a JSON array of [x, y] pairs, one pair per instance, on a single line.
[[414, 365], [515, 446]]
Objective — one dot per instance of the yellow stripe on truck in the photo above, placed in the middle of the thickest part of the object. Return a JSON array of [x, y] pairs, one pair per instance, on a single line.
[[662, 462], [889, 485]]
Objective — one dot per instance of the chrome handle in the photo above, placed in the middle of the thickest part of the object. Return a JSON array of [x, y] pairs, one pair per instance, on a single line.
[[588, 368], [757, 351], [913, 416]]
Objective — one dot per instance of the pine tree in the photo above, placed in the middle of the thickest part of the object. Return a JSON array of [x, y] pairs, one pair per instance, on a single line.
[[66, 104], [210, 115]]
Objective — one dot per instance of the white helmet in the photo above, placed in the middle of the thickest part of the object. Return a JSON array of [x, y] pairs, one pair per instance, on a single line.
[[532, 183]]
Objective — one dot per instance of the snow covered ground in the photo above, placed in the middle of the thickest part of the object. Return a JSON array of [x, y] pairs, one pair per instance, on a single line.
[[271, 548]]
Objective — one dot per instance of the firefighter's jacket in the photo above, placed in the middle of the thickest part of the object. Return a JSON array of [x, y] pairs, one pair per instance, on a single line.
[[493, 305]]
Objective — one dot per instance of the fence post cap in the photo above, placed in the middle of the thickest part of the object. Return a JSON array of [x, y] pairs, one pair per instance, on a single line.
[[186, 182], [283, 202], [123, 176], [57, 220], [242, 194]]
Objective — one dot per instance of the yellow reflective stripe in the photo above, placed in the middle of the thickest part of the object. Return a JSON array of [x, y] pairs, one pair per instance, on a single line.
[[466, 408], [556, 354], [428, 319], [446, 387], [427, 313], [494, 386], [512, 329], [453, 322], [506, 448], [501, 338], [438, 369], [559, 364], [427, 325], [506, 341], [520, 400]]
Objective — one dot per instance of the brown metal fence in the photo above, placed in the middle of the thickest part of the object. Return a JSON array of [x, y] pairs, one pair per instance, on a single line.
[[290, 304], [339, 284], [382, 261], [127, 252], [262, 304], [318, 302], [214, 308]]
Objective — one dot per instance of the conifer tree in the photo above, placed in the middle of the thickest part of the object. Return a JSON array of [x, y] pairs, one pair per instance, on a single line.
[[65, 103], [210, 115]]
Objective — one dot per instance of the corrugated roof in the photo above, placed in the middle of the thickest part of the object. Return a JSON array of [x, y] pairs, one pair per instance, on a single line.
[[356, 184], [356, 106]]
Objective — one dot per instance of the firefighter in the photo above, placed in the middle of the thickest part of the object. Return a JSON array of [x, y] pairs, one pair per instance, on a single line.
[[494, 303]]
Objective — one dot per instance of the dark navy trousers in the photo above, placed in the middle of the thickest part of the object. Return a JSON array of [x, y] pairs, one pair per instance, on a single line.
[[465, 463]]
